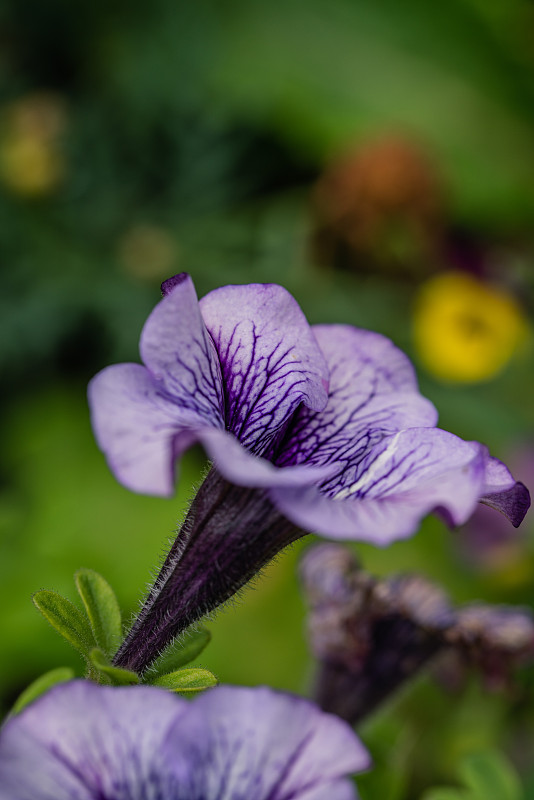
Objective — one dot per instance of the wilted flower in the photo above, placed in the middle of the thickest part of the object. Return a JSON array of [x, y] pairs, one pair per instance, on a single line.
[[371, 635], [466, 330], [319, 428], [493, 640], [81, 740]]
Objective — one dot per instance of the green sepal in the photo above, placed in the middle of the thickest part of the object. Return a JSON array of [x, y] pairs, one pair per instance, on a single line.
[[41, 685], [490, 776], [181, 653], [102, 609], [68, 620], [186, 681], [116, 675]]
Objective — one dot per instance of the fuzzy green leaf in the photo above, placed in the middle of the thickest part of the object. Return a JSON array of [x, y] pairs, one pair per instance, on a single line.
[[102, 609], [68, 620], [117, 675], [41, 685], [186, 680], [490, 776], [181, 653]]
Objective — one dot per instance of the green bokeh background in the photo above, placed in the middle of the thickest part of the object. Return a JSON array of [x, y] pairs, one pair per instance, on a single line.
[[212, 121]]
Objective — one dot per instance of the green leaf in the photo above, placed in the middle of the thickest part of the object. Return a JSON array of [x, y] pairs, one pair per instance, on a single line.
[[181, 653], [117, 675], [102, 609], [41, 685], [487, 776], [186, 680], [68, 620], [490, 776]]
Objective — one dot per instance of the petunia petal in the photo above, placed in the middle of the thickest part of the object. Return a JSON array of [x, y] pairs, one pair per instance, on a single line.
[[244, 469], [139, 428], [178, 351], [261, 744], [269, 358], [373, 393], [337, 790], [503, 493], [80, 741], [398, 482], [497, 477]]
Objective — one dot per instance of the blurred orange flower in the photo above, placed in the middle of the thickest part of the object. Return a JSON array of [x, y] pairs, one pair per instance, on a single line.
[[382, 200]]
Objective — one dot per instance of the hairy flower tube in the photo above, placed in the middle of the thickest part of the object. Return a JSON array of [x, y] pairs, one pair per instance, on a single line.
[[81, 741], [309, 429]]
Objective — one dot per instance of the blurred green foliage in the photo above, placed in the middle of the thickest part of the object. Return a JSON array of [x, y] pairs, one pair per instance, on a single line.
[[188, 137], [484, 776]]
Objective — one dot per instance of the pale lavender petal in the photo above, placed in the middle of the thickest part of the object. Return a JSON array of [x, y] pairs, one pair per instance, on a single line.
[[244, 469], [373, 393], [505, 494], [80, 741], [374, 363], [260, 744], [269, 358], [178, 351], [337, 790], [395, 485], [498, 477], [140, 428]]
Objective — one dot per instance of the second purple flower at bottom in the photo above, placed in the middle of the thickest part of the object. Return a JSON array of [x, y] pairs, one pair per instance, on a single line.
[[81, 741]]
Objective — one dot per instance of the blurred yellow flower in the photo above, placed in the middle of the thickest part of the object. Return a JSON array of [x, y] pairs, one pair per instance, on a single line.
[[466, 330], [29, 166], [31, 159]]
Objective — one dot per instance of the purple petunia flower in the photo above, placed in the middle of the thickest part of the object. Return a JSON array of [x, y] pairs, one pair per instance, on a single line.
[[81, 741], [321, 429], [328, 419]]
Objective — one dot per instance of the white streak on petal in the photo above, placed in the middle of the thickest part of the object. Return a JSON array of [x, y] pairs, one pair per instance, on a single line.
[[371, 474]]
